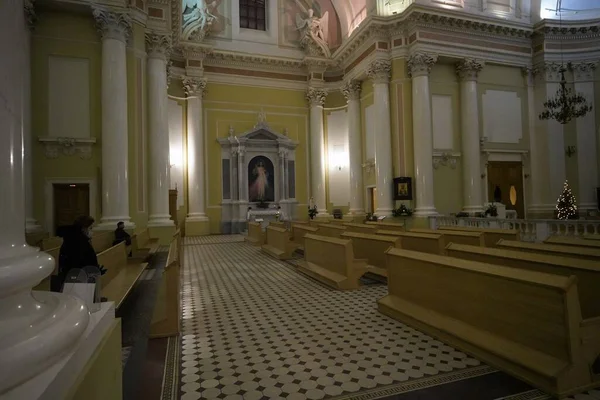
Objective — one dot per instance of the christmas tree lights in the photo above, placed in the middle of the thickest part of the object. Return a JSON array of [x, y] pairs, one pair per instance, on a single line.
[[565, 205]]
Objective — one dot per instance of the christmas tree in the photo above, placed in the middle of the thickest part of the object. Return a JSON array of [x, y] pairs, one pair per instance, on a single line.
[[565, 205]]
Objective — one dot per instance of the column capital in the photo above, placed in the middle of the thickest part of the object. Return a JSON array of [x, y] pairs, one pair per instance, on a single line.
[[380, 71], [29, 11], [549, 71], [351, 90], [316, 96], [469, 68], [584, 71], [529, 75], [158, 45], [112, 24], [420, 64], [194, 86]]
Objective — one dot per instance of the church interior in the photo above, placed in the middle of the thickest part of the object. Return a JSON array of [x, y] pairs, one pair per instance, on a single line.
[[300, 199]]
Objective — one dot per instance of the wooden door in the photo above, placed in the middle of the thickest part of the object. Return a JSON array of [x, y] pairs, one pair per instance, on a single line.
[[508, 176], [372, 200], [70, 201]]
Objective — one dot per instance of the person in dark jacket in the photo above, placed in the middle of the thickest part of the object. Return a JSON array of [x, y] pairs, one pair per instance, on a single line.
[[121, 235], [76, 250]]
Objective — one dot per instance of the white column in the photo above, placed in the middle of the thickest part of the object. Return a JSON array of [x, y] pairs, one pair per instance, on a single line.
[[587, 150], [316, 99], [35, 331], [379, 71], [282, 156], [467, 71], [158, 47], [535, 146], [31, 224], [351, 91], [242, 188], [419, 65], [194, 88], [114, 28]]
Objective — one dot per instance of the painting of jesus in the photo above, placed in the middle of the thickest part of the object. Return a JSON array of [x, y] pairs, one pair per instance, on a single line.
[[261, 180]]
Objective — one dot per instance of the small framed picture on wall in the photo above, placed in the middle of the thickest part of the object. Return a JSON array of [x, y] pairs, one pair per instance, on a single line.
[[403, 188]]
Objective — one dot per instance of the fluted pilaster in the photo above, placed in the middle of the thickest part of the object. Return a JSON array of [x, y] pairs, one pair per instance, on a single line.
[[316, 99], [351, 90]]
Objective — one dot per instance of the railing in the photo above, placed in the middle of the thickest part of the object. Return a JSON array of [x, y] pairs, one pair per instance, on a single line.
[[534, 230]]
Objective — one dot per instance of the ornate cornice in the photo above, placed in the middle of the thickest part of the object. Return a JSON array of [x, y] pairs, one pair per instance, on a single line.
[[420, 64], [246, 61], [469, 69], [584, 71], [316, 96], [366, 33], [194, 86], [29, 11], [158, 45], [380, 71], [351, 90], [196, 51], [112, 24], [548, 71]]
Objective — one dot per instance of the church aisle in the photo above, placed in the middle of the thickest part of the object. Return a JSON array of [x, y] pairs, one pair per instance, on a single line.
[[254, 328]]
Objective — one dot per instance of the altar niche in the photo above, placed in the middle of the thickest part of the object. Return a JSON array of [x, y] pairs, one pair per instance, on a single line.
[[258, 168]]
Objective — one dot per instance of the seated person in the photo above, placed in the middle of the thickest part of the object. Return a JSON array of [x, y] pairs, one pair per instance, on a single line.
[[76, 250], [121, 235]]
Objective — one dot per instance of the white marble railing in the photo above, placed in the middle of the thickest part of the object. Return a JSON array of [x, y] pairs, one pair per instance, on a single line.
[[534, 230]]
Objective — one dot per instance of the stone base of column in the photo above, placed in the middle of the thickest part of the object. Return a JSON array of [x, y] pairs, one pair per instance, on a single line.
[[163, 233], [425, 212], [32, 226], [585, 207], [384, 212], [416, 222], [160, 220], [195, 226], [110, 223], [323, 215], [541, 211]]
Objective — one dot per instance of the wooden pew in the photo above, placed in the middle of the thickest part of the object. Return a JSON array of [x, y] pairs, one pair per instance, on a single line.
[[279, 243], [526, 323], [51, 242], [425, 242], [331, 230], [360, 228], [587, 272], [102, 241], [166, 317], [469, 238], [573, 241], [542, 248], [491, 236], [279, 224], [299, 231], [331, 261], [591, 237], [144, 242], [121, 273], [387, 226], [256, 236], [372, 248]]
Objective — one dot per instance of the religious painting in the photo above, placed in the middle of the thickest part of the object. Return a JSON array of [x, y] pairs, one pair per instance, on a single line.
[[403, 188], [203, 14], [261, 180], [295, 11]]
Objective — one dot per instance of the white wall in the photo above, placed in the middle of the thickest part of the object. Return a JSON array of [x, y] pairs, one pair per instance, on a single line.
[[502, 117], [337, 157], [176, 157]]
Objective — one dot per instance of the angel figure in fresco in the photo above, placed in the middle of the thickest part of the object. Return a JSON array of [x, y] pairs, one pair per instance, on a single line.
[[314, 26], [259, 187], [198, 13]]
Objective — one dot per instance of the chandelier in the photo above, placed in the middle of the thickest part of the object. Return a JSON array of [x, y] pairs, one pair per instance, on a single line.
[[566, 105]]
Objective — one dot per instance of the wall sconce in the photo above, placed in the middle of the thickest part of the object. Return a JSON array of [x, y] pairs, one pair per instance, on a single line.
[[526, 176], [483, 175], [570, 150]]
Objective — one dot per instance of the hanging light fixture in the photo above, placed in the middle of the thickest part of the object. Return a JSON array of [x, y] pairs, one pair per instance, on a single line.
[[566, 105]]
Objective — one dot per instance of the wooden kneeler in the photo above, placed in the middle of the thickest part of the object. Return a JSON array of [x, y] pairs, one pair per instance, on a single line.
[[166, 317], [279, 243]]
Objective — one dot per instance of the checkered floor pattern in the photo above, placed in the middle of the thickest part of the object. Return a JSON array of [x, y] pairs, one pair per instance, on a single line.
[[254, 328]]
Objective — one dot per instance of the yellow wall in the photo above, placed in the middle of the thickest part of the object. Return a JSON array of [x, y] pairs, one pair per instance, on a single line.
[[238, 107], [71, 36]]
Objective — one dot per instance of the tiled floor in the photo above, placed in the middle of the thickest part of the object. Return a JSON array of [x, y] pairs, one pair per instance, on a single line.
[[254, 328]]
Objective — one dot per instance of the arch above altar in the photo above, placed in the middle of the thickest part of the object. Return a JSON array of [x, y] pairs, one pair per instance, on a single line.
[[258, 170]]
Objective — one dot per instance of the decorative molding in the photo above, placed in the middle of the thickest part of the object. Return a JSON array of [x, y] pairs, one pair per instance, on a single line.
[[112, 24], [445, 159], [30, 16], [420, 64], [351, 90], [316, 97], [548, 71], [194, 86], [261, 120], [369, 165], [469, 68], [584, 71], [253, 61], [67, 146], [380, 71], [158, 45]]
